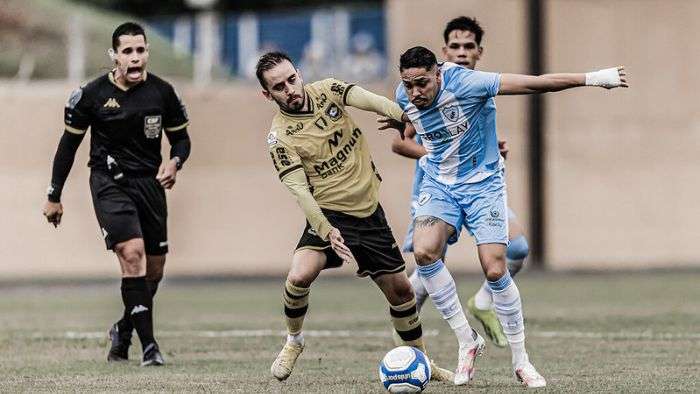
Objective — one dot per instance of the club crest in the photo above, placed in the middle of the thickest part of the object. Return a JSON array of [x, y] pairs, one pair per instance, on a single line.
[[451, 112]]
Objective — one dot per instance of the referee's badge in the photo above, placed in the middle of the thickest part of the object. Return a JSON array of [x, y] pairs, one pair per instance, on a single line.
[[152, 125]]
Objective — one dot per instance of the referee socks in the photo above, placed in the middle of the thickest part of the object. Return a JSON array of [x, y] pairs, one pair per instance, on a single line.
[[139, 304]]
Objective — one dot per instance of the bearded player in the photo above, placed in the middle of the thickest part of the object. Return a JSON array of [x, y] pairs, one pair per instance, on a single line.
[[323, 159]]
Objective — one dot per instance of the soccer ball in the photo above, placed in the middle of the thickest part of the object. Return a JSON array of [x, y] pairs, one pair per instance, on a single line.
[[404, 370]]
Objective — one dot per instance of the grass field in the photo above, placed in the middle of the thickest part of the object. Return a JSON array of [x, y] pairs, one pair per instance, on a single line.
[[617, 333]]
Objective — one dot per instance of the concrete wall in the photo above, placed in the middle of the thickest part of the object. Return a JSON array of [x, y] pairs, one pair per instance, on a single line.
[[622, 166]]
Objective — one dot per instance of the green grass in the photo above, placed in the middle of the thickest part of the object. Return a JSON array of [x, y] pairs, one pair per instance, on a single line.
[[617, 333]]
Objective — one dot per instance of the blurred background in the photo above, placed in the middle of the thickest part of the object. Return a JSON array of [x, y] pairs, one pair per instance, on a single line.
[[601, 180]]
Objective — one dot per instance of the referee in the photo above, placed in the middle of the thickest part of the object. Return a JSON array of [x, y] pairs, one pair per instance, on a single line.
[[127, 111]]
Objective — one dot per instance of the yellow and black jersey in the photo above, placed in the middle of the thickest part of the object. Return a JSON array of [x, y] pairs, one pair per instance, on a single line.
[[125, 123], [328, 146]]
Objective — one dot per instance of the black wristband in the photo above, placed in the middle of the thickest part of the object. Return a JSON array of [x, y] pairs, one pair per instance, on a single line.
[[53, 193]]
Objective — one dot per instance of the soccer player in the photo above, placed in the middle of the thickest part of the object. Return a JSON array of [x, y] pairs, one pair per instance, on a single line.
[[453, 111], [322, 157], [127, 110], [462, 37]]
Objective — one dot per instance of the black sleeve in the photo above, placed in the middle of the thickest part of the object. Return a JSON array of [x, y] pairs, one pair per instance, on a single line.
[[62, 163], [77, 112], [180, 145], [175, 113]]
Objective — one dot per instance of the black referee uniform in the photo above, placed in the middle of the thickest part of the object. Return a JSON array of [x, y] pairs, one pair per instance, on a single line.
[[126, 131], [126, 127]]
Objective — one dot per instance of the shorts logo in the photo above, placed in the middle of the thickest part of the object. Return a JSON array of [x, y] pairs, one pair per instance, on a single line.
[[312, 232], [104, 233], [163, 244], [424, 198], [495, 219], [451, 112], [152, 125], [333, 112]]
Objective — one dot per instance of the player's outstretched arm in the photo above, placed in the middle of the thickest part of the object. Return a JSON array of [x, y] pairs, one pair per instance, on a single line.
[[527, 84], [364, 99], [62, 164]]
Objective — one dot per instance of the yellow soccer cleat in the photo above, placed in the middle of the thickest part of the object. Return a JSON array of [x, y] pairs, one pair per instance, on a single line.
[[284, 363], [488, 318]]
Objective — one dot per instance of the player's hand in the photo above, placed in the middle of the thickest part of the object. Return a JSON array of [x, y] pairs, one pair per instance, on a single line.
[[53, 212], [167, 174], [503, 149], [389, 123], [339, 247], [609, 78]]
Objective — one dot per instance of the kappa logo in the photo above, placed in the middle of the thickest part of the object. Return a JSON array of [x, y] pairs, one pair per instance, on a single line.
[[424, 198], [112, 103], [138, 309], [451, 112]]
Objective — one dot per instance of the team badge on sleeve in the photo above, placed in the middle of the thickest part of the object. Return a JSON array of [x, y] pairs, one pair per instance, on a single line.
[[272, 138], [74, 98], [152, 125]]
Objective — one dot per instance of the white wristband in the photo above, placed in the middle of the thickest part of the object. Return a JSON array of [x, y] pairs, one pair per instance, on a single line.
[[607, 78]]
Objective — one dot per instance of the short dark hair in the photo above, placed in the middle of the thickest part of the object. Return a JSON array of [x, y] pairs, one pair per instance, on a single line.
[[464, 23], [417, 57], [267, 62], [127, 29]]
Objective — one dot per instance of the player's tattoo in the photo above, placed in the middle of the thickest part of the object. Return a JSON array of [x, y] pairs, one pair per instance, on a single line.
[[426, 221]]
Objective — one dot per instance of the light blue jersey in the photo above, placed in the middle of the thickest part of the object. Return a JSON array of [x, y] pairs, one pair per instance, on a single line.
[[459, 129], [463, 183]]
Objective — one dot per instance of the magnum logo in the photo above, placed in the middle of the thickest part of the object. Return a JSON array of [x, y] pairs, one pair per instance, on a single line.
[[336, 162]]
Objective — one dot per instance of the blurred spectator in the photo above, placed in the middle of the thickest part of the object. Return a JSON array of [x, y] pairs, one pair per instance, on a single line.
[[316, 62], [364, 62]]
